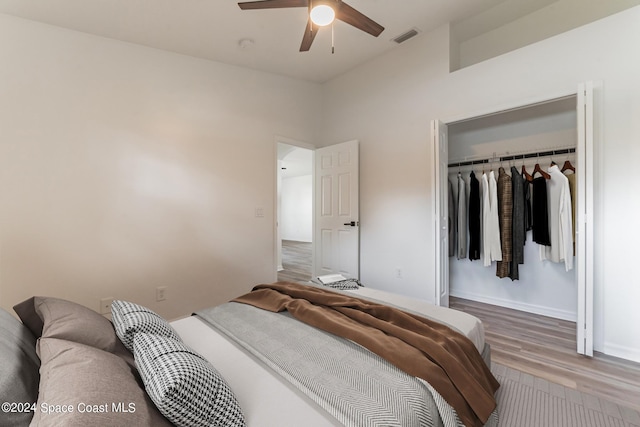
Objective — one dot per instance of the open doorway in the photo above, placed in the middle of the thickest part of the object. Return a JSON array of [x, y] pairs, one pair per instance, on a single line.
[[294, 212]]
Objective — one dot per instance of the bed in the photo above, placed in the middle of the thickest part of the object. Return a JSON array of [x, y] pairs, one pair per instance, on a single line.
[[71, 366]]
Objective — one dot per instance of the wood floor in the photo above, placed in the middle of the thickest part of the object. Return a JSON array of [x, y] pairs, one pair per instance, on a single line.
[[296, 261], [546, 347], [538, 345]]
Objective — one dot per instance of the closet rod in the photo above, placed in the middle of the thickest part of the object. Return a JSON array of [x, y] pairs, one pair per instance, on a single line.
[[514, 157]]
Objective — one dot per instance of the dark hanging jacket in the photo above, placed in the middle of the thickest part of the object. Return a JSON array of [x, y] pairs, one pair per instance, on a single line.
[[474, 217], [518, 219]]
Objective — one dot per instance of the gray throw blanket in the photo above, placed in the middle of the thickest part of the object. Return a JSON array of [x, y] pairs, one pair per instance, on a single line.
[[355, 386]]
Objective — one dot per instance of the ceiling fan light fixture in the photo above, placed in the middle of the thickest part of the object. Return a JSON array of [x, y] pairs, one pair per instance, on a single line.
[[322, 14]]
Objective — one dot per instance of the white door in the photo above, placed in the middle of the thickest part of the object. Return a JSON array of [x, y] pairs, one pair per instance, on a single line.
[[440, 145], [584, 218], [337, 229]]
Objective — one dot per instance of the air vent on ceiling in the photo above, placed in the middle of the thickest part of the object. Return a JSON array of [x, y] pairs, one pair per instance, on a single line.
[[406, 36]]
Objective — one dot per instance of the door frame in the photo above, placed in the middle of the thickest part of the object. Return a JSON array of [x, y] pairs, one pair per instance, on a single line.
[[584, 94], [277, 241], [440, 152]]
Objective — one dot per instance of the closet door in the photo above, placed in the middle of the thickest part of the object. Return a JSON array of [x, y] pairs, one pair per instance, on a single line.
[[440, 144], [584, 218]]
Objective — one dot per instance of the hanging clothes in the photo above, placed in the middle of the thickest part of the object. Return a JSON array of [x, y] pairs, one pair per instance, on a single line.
[[474, 217], [505, 215], [491, 249], [462, 218], [560, 226], [518, 216], [540, 212], [452, 221], [528, 215]]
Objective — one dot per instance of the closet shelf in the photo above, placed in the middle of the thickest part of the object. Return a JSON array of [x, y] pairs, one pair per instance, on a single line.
[[508, 157]]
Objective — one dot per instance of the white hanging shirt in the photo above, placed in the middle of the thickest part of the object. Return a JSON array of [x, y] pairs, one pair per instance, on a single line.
[[560, 222], [491, 247]]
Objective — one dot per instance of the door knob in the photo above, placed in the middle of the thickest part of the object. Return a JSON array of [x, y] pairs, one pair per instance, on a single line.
[[352, 223]]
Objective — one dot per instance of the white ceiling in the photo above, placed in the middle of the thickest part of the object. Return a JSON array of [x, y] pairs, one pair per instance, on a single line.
[[295, 161], [212, 29]]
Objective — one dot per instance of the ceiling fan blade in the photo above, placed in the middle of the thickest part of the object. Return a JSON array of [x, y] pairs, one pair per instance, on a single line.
[[272, 4], [347, 14], [310, 32]]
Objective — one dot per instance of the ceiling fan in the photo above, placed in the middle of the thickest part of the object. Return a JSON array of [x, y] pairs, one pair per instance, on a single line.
[[333, 8]]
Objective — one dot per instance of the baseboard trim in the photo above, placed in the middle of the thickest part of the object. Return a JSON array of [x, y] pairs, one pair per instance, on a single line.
[[529, 308], [622, 352]]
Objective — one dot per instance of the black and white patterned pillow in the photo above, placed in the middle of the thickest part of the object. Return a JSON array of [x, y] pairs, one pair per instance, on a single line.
[[130, 319], [344, 284], [185, 387]]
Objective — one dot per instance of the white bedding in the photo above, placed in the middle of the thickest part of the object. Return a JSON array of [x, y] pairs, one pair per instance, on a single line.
[[268, 400]]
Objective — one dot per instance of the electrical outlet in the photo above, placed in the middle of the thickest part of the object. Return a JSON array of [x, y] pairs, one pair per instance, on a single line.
[[105, 305], [398, 273], [161, 293]]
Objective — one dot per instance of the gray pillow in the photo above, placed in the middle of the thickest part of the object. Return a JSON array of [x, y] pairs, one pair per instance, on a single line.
[[130, 318], [19, 365], [185, 387], [57, 318], [99, 386]]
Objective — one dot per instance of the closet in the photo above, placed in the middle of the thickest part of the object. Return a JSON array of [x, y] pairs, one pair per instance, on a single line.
[[532, 137], [557, 131]]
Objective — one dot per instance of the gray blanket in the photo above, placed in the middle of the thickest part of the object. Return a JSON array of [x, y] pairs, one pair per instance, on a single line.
[[352, 384]]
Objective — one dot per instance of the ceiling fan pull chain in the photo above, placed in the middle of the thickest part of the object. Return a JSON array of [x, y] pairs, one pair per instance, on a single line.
[[333, 49]]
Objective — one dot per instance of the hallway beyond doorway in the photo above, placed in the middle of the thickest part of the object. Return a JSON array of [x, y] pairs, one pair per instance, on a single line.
[[296, 261]]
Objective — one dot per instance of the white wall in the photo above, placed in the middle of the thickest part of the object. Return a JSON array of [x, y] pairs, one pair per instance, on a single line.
[[554, 18], [296, 217], [124, 168], [389, 102]]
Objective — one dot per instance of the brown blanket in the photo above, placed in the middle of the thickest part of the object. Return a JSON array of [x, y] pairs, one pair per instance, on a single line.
[[421, 347]]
